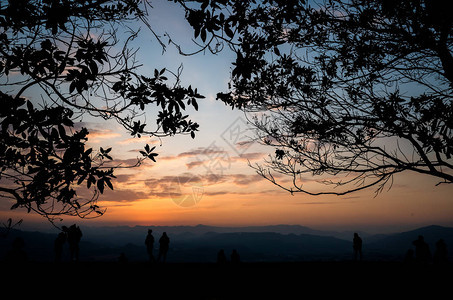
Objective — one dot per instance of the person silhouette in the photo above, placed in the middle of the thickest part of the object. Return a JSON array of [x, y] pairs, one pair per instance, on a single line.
[[235, 258], [58, 245], [357, 246], [422, 253], [122, 258], [221, 257], [149, 242], [74, 236], [441, 254], [17, 254], [409, 257], [164, 243]]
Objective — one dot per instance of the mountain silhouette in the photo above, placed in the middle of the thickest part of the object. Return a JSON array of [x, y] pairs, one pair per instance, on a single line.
[[201, 243]]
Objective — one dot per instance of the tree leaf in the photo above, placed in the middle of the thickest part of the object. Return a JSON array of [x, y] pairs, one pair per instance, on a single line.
[[100, 185]]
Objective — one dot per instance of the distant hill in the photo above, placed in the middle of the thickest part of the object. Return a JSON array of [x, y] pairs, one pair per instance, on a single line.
[[255, 244], [399, 243], [136, 234], [267, 246]]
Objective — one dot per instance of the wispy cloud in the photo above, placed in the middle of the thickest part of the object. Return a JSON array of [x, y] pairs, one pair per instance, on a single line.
[[239, 192], [127, 163], [202, 153], [143, 141], [123, 195], [250, 156], [322, 202], [245, 180], [97, 135]]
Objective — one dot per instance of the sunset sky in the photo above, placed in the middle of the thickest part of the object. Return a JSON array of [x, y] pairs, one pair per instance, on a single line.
[[207, 180]]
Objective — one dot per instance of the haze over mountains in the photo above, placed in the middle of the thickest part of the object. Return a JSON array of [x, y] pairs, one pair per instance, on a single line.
[[255, 243]]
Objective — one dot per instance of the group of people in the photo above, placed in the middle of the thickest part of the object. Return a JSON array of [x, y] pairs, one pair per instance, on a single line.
[[422, 254], [73, 234]]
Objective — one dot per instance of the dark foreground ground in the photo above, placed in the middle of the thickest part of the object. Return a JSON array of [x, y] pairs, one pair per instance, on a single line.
[[300, 280]]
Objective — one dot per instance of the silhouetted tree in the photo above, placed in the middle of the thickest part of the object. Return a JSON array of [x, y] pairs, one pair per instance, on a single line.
[[352, 92], [72, 57]]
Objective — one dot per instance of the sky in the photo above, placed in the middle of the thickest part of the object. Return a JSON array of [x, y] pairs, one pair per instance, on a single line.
[[207, 180]]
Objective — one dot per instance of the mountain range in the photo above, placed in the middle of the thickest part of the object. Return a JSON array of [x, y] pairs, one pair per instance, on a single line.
[[255, 243]]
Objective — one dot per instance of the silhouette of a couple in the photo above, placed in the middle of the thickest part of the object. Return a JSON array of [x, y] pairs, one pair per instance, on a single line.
[[72, 235], [221, 257], [164, 245]]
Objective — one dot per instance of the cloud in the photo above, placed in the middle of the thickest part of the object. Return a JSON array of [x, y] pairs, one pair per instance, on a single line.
[[123, 195], [95, 132], [250, 156], [323, 202], [209, 151], [143, 141], [170, 185], [240, 192], [124, 178], [166, 185], [212, 159], [201, 153], [127, 163], [244, 180], [194, 164], [96, 135], [118, 194]]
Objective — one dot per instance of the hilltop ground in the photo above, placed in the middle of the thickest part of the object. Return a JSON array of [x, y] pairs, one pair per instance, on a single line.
[[297, 280]]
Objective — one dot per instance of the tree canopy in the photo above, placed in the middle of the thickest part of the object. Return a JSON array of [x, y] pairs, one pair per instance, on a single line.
[[348, 92], [70, 54]]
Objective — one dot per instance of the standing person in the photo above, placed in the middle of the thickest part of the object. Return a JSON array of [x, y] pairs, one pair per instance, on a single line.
[[357, 246], [164, 243], [221, 257], [58, 245], [17, 253], [422, 253], [441, 254], [235, 258], [149, 242], [74, 236]]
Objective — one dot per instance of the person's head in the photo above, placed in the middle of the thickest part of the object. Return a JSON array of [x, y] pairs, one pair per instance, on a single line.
[[356, 234], [150, 230]]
